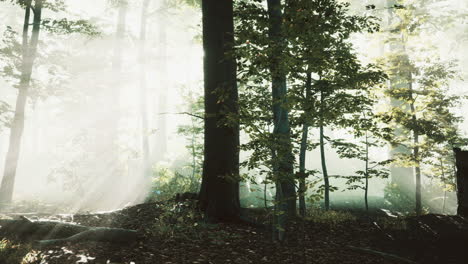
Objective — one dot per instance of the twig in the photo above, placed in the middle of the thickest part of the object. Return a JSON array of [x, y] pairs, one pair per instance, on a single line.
[[182, 113]]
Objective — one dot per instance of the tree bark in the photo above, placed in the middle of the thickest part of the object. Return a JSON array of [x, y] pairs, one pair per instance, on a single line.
[[284, 160], [303, 153], [326, 181], [219, 194], [366, 187], [417, 167], [17, 127], [461, 158]]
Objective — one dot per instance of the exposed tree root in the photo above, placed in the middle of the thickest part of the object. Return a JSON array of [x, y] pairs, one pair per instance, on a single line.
[[46, 233]]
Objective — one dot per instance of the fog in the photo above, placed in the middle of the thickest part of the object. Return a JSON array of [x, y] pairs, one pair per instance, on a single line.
[[82, 146]]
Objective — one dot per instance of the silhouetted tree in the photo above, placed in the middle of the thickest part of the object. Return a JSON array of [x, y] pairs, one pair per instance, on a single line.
[[219, 194]]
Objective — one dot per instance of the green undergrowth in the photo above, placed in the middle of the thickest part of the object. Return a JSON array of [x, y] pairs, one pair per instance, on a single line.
[[332, 218], [12, 253]]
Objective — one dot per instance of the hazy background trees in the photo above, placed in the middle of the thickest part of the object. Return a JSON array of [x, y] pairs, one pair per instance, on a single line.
[[121, 112]]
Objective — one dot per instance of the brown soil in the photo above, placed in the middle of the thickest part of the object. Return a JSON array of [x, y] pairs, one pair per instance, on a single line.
[[175, 233]]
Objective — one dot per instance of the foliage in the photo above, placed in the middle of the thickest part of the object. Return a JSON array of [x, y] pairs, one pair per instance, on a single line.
[[423, 107], [398, 200], [65, 26], [11, 252], [330, 218], [167, 182], [5, 115], [179, 220], [317, 34], [193, 134]]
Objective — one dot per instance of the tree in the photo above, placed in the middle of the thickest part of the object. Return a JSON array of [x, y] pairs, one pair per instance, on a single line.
[[367, 127], [29, 50], [29, 47], [418, 93], [161, 122], [427, 117], [143, 90], [193, 134], [282, 156], [329, 83], [219, 194]]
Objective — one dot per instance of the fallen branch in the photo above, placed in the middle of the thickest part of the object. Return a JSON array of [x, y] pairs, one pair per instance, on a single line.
[[381, 254]]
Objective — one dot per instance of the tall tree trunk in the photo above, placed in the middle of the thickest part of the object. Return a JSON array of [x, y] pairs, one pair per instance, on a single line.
[[303, 152], [281, 131], [366, 187], [28, 57], [461, 158], [113, 92], [143, 91], [417, 167], [219, 194], [326, 181], [160, 147], [443, 180], [403, 177], [282, 157]]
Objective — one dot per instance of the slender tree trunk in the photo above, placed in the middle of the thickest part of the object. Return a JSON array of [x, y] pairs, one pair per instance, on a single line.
[[302, 154], [418, 176], [28, 57], [403, 177], [281, 131], [144, 91], [114, 89], [194, 182], [326, 180], [282, 157], [366, 187], [302, 173], [219, 194], [443, 180], [161, 125], [417, 167]]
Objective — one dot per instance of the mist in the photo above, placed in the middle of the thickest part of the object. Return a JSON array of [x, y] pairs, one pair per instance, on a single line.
[[82, 146]]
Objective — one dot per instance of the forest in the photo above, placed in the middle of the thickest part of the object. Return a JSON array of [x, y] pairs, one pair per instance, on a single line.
[[233, 131]]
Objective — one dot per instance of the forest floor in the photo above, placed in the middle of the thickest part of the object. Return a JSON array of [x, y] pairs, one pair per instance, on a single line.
[[172, 232]]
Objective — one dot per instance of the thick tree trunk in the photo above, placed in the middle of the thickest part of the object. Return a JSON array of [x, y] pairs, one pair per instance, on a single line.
[[143, 91], [303, 152], [29, 55], [219, 194], [461, 158]]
